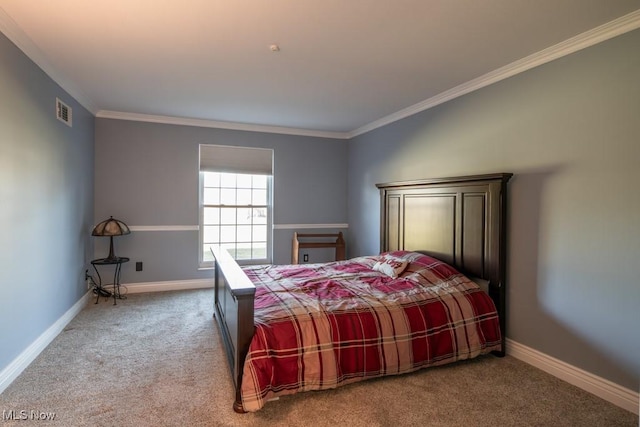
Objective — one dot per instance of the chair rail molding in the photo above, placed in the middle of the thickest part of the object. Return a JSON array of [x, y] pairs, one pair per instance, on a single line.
[[308, 226]]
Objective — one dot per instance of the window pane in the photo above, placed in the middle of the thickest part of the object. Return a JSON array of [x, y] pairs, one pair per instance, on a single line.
[[244, 251], [228, 180], [211, 234], [260, 181], [259, 251], [243, 233], [259, 233], [244, 196], [211, 216], [228, 196], [244, 216], [244, 181], [260, 197], [260, 215], [211, 179], [227, 233], [227, 215], [211, 196]]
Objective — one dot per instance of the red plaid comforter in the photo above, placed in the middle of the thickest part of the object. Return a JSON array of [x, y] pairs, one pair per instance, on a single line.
[[319, 326]]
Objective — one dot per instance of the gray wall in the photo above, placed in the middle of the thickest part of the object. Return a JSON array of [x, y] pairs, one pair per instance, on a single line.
[[146, 174], [570, 132], [46, 202]]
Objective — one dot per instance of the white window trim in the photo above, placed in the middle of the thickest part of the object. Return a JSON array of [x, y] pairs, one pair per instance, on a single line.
[[209, 264]]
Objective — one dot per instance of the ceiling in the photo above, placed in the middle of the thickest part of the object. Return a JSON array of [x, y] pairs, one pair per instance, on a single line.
[[344, 66]]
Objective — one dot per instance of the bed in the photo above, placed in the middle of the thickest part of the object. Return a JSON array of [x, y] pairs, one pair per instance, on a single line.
[[434, 294]]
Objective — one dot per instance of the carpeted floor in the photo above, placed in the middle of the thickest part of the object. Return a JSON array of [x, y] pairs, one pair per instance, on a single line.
[[157, 360]]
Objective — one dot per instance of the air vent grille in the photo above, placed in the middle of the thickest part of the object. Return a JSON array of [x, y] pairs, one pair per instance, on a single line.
[[63, 112]]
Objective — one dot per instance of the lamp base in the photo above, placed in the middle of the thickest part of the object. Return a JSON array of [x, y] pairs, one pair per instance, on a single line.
[[111, 256], [102, 292]]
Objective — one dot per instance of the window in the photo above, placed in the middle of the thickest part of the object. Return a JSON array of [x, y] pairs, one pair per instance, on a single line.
[[235, 203]]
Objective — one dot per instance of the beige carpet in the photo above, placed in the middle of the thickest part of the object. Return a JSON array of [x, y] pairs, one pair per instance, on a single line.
[[156, 360]]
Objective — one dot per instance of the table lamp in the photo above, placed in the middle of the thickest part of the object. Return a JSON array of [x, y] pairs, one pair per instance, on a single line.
[[109, 228]]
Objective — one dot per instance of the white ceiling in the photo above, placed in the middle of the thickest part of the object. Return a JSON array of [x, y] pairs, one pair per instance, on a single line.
[[344, 66]]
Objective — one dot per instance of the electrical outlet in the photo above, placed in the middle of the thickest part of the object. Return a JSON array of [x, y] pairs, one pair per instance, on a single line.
[[139, 266], [305, 258]]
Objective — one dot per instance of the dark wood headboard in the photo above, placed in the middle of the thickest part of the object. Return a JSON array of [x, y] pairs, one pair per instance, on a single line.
[[460, 220]]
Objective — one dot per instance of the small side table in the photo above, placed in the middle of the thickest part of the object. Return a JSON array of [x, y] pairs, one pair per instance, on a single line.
[[117, 261]]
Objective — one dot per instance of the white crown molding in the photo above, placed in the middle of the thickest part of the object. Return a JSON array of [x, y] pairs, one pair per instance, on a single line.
[[164, 227], [605, 389], [307, 226], [24, 359], [14, 33], [589, 38], [137, 117]]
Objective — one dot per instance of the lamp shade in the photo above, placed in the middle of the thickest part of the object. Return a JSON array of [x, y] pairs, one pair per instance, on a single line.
[[111, 227]]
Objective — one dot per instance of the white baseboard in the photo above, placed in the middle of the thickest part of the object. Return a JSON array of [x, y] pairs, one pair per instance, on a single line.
[[24, 359], [169, 285], [605, 389]]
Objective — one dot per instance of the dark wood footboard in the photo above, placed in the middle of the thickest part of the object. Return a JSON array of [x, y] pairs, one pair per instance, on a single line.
[[234, 295]]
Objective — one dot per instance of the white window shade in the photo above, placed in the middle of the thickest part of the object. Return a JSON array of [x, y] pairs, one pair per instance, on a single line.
[[224, 158]]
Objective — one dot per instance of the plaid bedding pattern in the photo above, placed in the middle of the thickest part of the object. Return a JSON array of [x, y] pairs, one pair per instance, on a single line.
[[319, 326]]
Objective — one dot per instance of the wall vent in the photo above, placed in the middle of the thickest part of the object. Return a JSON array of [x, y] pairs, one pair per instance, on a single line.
[[63, 112]]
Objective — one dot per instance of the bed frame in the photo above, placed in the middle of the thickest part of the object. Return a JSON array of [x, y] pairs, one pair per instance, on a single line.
[[458, 220]]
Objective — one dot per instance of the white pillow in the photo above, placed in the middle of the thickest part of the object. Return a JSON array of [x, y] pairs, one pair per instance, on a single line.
[[391, 266]]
